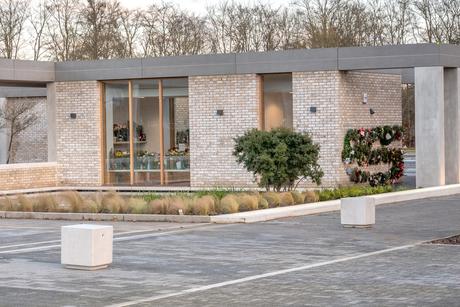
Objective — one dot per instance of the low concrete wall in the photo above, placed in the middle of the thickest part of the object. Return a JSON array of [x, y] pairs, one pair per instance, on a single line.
[[28, 175]]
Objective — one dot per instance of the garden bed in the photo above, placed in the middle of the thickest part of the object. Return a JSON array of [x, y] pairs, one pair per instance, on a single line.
[[117, 206]]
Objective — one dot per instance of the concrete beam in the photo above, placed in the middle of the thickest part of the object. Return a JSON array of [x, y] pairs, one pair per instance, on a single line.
[[3, 138], [51, 120], [14, 91], [26, 71], [452, 124], [429, 126]]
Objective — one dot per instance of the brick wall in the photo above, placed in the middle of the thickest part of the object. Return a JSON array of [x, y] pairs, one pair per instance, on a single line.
[[211, 136], [28, 175], [31, 145], [78, 140], [383, 97], [338, 98], [320, 90]]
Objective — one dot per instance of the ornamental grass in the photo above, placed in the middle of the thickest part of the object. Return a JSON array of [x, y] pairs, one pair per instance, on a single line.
[[181, 203]]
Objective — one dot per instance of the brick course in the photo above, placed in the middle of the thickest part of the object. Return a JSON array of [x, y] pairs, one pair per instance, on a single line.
[[28, 175]]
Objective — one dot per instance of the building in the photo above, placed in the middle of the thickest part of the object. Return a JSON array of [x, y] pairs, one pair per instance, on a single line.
[[186, 111]]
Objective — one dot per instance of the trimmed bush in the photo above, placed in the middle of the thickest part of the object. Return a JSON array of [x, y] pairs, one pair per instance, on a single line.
[[228, 204], [311, 196], [278, 158], [272, 198], [286, 199], [299, 198], [247, 202]]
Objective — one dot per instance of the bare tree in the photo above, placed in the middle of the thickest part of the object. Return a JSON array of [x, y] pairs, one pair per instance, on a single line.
[[99, 22], [168, 31], [13, 16], [130, 31], [15, 118], [62, 29], [38, 20]]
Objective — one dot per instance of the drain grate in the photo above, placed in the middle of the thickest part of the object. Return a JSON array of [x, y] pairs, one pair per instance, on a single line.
[[449, 240]]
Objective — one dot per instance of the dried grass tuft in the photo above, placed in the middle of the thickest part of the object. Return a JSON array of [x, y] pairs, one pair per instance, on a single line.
[[228, 204]]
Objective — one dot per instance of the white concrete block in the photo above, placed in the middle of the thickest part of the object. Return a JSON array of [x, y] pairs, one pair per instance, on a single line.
[[357, 211], [86, 247]]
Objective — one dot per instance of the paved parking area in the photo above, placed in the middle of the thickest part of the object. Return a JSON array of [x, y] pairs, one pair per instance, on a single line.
[[307, 260]]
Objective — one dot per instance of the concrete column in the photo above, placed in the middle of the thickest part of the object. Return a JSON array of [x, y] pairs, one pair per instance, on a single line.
[[51, 118], [452, 124], [3, 138], [429, 126]]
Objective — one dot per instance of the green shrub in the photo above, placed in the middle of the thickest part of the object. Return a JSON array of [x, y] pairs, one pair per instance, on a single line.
[[25, 204], [311, 196], [247, 202], [286, 199], [272, 198], [299, 198], [151, 196], [228, 204], [278, 157], [216, 193]]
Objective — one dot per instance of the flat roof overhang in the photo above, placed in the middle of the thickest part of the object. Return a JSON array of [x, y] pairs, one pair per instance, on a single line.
[[390, 58]]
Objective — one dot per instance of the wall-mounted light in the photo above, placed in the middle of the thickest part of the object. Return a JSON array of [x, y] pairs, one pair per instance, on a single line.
[[371, 111], [312, 109], [364, 98], [220, 112], [73, 115]]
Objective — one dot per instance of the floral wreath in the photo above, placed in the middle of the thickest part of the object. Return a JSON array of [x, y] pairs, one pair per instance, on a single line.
[[358, 148]]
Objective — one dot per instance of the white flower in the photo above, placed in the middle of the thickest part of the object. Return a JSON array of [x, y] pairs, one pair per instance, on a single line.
[[388, 136]]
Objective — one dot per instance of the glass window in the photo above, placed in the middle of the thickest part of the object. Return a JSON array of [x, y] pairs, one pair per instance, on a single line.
[[277, 101], [146, 121], [117, 133], [159, 140], [176, 132]]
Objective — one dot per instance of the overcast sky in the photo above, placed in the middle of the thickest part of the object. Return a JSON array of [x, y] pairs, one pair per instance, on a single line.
[[196, 6]]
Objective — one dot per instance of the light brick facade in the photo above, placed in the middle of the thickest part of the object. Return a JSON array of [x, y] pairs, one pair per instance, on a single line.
[[211, 136], [78, 148], [338, 98], [28, 175], [31, 145]]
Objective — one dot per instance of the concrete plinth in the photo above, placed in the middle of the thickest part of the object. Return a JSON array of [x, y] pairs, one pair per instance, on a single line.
[[357, 212], [86, 247], [429, 126]]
